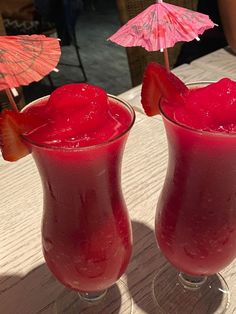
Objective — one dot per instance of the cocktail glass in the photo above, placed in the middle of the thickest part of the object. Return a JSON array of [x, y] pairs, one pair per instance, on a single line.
[[86, 230], [195, 222]]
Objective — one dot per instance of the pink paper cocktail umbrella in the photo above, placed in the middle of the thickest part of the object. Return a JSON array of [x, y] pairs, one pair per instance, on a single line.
[[160, 26], [26, 58]]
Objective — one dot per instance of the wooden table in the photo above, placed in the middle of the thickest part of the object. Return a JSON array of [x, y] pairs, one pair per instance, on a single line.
[[26, 285]]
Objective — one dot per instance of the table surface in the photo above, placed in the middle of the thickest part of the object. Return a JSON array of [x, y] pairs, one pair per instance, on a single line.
[[26, 285]]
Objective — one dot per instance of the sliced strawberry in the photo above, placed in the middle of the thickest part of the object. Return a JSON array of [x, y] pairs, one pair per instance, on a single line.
[[11, 128], [157, 83]]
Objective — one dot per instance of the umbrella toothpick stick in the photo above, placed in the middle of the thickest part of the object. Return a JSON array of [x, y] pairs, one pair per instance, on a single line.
[[166, 60], [11, 99]]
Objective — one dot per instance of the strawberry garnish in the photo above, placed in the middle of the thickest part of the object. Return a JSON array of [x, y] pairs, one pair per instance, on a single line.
[[158, 83], [11, 129]]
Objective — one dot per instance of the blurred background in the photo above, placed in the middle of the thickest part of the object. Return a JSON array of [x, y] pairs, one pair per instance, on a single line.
[[84, 27], [104, 63]]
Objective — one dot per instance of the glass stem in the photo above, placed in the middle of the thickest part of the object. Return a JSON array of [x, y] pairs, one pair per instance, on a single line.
[[191, 282], [92, 296]]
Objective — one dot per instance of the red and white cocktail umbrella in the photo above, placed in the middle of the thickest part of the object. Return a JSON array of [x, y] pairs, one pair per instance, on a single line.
[[160, 26]]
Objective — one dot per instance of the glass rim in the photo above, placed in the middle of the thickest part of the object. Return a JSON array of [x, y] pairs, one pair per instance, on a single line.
[[88, 147], [192, 129]]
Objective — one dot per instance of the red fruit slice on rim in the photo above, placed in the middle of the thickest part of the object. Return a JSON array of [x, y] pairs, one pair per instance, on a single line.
[[158, 83], [11, 128]]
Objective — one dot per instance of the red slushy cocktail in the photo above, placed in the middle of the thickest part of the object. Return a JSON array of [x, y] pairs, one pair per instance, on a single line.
[[196, 212], [77, 138], [195, 223]]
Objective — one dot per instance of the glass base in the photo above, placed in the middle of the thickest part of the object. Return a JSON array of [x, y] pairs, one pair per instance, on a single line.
[[92, 296], [116, 299], [180, 294]]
